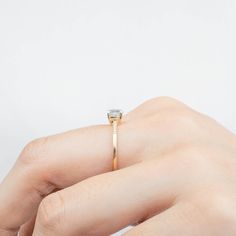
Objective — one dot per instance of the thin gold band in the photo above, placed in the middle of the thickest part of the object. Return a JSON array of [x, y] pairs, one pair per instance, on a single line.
[[114, 117], [114, 142]]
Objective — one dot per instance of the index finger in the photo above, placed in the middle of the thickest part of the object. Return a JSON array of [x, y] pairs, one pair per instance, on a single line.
[[53, 163]]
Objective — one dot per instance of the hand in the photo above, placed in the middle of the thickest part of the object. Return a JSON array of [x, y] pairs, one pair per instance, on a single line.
[[177, 177]]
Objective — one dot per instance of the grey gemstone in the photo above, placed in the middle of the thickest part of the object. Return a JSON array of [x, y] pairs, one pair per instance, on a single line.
[[114, 113]]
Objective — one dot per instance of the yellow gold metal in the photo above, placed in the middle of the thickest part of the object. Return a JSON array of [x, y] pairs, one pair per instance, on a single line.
[[114, 117]]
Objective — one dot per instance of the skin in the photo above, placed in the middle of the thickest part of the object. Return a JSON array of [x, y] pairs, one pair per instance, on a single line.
[[177, 176]]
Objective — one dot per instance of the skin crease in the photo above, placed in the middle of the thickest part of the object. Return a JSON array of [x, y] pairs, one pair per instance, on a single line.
[[177, 176]]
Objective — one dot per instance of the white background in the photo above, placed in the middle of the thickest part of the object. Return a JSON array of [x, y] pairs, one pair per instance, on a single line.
[[64, 63]]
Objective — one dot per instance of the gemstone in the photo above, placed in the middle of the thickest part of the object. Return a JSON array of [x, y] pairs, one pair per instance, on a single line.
[[114, 114]]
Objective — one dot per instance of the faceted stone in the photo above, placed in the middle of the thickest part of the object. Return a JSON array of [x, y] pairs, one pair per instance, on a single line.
[[114, 114]]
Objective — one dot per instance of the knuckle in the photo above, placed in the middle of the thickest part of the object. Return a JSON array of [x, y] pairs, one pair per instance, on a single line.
[[51, 213], [183, 119], [187, 118], [155, 105], [34, 150], [165, 101]]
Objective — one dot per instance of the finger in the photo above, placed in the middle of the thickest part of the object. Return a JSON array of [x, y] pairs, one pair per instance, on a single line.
[[181, 219], [54, 162], [104, 204]]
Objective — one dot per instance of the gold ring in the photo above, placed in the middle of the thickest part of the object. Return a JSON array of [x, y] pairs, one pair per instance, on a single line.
[[114, 117]]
